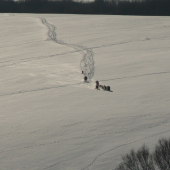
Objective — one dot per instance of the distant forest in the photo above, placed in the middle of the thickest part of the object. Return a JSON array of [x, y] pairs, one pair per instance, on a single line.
[[109, 7]]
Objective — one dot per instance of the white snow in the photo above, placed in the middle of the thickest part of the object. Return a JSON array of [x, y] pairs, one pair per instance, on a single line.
[[50, 119]]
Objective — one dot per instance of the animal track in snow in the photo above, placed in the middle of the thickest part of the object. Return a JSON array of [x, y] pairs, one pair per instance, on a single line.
[[86, 168]]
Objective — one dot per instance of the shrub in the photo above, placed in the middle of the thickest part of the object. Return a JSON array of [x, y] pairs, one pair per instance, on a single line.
[[161, 154], [140, 160], [144, 160]]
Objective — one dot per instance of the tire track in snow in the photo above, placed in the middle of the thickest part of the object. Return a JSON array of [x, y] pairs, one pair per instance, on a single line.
[[78, 138], [130, 41], [87, 62], [19, 44], [136, 76], [107, 132], [39, 89], [20, 61]]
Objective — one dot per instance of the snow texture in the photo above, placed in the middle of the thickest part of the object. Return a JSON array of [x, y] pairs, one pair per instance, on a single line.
[[51, 119]]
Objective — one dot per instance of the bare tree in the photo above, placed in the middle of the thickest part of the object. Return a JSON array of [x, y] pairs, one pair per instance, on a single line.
[[162, 154], [140, 160]]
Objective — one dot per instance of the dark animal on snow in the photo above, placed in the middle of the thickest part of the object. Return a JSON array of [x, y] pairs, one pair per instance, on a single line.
[[85, 78], [97, 83], [101, 86], [108, 88], [97, 87]]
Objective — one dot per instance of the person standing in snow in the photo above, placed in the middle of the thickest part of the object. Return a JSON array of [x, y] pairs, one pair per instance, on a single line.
[[85, 78]]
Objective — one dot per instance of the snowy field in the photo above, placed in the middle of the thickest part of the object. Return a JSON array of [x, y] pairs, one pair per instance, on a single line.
[[51, 120]]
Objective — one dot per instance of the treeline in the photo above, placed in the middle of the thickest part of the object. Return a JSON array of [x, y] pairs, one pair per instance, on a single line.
[[111, 7]]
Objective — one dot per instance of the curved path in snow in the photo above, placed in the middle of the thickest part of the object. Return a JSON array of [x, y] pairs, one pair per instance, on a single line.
[[87, 62]]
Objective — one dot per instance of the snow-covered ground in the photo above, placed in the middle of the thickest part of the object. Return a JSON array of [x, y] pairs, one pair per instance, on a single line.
[[50, 119]]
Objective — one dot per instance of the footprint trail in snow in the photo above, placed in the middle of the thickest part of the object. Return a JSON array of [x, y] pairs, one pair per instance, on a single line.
[[87, 62]]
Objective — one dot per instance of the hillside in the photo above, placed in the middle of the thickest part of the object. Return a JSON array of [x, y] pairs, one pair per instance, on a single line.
[[50, 119]]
